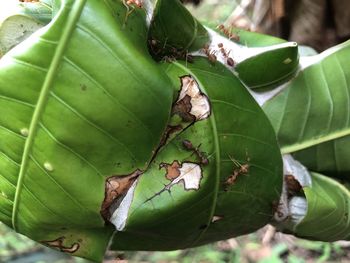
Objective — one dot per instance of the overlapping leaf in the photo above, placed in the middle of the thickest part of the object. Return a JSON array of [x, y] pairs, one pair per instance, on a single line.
[[327, 217], [68, 122], [235, 134], [311, 116]]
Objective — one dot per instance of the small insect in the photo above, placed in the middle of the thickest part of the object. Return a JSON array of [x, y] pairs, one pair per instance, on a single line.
[[137, 3], [132, 4], [226, 54], [210, 54], [200, 155], [238, 170], [230, 61], [228, 32]]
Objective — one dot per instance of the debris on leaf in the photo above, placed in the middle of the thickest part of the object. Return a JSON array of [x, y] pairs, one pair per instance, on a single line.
[[216, 218], [191, 105], [116, 188], [58, 244]]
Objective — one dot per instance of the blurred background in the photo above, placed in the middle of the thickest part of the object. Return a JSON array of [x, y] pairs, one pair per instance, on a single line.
[[316, 23]]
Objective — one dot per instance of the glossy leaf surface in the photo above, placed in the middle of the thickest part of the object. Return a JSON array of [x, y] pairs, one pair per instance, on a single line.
[[235, 134], [269, 68], [68, 122], [327, 218], [311, 115]]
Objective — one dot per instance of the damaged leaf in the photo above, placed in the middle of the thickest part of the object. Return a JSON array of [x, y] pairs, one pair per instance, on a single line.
[[190, 174], [70, 125], [115, 190], [236, 126], [58, 244], [192, 104]]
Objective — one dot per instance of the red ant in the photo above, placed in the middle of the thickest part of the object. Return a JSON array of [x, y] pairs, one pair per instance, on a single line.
[[229, 60], [241, 169], [132, 3], [211, 55], [227, 33], [201, 156]]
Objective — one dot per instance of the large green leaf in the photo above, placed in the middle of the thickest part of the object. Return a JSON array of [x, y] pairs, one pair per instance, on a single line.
[[311, 115], [235, 135], [76, 108], [327, 217]]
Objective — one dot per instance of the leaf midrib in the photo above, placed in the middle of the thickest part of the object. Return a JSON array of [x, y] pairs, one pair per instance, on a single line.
[[75, 12], [217, 154]]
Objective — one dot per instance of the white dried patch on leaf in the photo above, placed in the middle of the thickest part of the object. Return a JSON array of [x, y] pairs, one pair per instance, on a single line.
[[295, 168], [190, 175], [297, 209], [120, 215], [216, 218], [200, 106], [296, 177]]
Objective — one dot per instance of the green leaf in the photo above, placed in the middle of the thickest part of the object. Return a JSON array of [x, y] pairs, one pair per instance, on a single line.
[[173, 29], [327, 217], [270, 67], [76, 108], [254, 39], [236, 135], [41, 11], [311, 115], [20, 20]]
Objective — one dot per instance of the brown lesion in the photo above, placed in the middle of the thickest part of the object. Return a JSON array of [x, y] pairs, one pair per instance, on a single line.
[[58, 244], [116, 188], [191, 104], [292, 184], [183, 108], [172, 170]]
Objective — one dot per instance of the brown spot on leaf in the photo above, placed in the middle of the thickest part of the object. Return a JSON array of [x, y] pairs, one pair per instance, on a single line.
[[172, 170], [191, 104], [115, 189], [292, 184], [58, 244], [183, 108]]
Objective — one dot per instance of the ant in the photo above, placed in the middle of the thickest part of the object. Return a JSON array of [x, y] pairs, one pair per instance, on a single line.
[[132, 3], [229, 60], [201, 156], [227, 33], [211, 55], [240, 169]]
